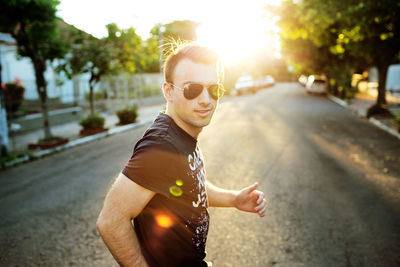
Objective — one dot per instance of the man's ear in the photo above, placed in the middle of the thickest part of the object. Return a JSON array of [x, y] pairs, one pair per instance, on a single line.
[[167, 90]]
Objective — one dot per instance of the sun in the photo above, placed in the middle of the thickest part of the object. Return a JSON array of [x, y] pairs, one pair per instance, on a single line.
[[243, 30]]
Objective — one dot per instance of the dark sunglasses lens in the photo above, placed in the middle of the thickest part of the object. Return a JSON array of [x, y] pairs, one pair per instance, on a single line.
[[192, 90]]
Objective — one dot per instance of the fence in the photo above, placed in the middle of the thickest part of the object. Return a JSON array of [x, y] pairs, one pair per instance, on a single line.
[[75, 92]]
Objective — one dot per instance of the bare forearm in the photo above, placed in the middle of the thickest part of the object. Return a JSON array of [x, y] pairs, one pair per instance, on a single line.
[[218, 197], [123, 244]]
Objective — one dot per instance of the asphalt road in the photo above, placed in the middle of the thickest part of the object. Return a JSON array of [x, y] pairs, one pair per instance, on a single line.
[[332, 182]]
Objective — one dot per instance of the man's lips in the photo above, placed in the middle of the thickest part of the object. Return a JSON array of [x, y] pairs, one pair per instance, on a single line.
[[203, 112]]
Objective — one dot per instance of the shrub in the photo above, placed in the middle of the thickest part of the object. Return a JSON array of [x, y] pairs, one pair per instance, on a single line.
[[52, 138], [127, 115], [148, 91], [397, 120], [94, 121], [97, 95], [13, 96]]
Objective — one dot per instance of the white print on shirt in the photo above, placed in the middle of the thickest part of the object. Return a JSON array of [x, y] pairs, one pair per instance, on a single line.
[[199, 226], [198, 173], [200, 235], [199, 221]]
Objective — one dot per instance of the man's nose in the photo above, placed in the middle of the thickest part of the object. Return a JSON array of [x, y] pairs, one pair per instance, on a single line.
[[204, 98]]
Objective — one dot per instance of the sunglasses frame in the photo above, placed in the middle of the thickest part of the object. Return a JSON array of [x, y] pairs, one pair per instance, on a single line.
[[186, 89]]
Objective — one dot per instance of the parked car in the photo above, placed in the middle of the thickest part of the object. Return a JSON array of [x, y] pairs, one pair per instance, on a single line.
[[393, 79], [316, 84], [244, 84], [303, 80], [266, 81]]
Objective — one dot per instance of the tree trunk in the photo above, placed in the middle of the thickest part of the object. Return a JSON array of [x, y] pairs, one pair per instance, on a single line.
[[76, 81], [40, 68], [381, 100], [91, 98], [45, 114], [380, 107]]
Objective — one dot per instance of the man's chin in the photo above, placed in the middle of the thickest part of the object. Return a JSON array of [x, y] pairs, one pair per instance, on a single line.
[[199, 122], [203, 122]]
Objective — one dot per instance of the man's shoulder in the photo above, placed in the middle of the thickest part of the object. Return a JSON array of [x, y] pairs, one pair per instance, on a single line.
[[158, 135], [155, 141], [160, 128]]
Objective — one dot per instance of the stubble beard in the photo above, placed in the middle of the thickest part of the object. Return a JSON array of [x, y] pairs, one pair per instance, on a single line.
[[199, 123]]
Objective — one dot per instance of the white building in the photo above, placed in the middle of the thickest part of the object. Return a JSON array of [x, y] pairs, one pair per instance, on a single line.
[[16, 67]]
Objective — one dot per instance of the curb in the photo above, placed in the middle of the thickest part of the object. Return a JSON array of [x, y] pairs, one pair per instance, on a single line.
[[373, 121], [338, 101], [379, 124], [76, 142]]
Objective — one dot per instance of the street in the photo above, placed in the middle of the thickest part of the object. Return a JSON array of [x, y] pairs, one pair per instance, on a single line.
[[331, 179]]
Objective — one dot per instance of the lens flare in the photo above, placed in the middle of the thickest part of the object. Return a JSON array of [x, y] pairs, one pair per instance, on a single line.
[[175, 191], [164, 221]]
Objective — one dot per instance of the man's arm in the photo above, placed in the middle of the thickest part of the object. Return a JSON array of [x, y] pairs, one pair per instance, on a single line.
[[248, 199], [123, 202]]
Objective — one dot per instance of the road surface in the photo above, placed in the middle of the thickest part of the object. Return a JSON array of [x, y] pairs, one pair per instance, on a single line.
[[332, 182]]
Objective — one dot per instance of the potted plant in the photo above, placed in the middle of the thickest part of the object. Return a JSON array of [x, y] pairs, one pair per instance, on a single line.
[[13, 93], [127, 115], [46, 143], [92, 124]]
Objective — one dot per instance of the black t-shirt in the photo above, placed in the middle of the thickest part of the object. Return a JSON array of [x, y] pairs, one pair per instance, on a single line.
[[172, 228]]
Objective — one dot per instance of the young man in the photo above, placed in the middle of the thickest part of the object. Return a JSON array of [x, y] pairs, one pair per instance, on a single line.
[[163, 186]]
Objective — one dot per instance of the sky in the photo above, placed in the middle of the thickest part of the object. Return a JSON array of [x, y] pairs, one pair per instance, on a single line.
[[222, 21]]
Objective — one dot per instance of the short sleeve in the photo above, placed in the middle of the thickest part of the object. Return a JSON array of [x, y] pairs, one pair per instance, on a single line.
[[154, 165]]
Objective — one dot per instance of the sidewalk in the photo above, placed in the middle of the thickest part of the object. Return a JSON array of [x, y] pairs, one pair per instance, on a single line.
[[18, 144], [362, 101], [147, 113]]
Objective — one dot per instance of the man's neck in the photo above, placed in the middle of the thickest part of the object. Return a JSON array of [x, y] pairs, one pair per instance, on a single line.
[[192, 131]]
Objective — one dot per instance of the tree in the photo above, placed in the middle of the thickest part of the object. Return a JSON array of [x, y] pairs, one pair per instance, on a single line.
[[371, 30], [87, 54], [181, 29], [150, 59], [308, 38], [75, 61], [34, 26], [347, 35], [98, 56], [126, 47], [163, 35]]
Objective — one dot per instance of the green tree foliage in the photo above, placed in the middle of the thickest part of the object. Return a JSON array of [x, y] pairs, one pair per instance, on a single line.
[[98, 55], [34, 26], [162, 37], [75, 61], [338, 37], [87, 54], [307, 36], [370, 30], [130, 53], [181, 29], [177, 30], [150, 61], [126, 47]]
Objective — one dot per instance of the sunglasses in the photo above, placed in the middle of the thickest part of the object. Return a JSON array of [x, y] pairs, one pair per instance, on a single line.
[[193, 90]]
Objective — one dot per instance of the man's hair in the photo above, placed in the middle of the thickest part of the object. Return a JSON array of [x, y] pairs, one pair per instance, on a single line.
[[194, 52]]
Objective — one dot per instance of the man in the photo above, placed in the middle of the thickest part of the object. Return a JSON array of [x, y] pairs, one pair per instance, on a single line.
[[163, 186]]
